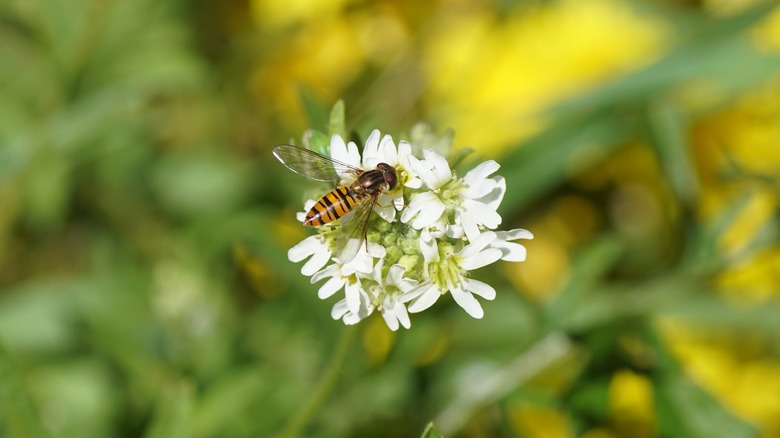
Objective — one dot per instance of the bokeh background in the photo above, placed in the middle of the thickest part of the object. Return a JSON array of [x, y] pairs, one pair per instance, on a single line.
[[144, 225]]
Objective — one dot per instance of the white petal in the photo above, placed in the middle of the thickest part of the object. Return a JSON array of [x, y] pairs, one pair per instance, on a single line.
[[353, 154], [429, 249], [362, 262], [484, 258], [404, 152], [330, 287], [395, 274], [422, 169], [428, 216], [510, 251], [376, 250], [366, 309], [398, 200], [481, 172], [415, 293], [425, 300], [484, 214], [394, 312], [455, 231], [440, 167], [351, 318], [387, 152], [427, 207], [390, 319], [339, 310], [414, 183], [412, 209], [467, 302], [338, 149], [316, 262], [352, 295], [478, 244], [385, 208], [477, 191], [330, 271], [469, 223], [403, 315], [484, 290], [478, 183], [376, 275], [305, 248], [517, 233], [494, 198], [371, 150]]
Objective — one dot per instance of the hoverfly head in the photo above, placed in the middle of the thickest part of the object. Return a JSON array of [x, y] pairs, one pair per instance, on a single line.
[[388, 172]]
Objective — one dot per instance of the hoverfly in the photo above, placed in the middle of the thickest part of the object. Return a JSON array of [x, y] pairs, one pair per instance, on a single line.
[[352, 202]]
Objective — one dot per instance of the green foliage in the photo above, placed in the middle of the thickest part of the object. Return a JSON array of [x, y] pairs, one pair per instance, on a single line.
[[144, 226], [430, 432]]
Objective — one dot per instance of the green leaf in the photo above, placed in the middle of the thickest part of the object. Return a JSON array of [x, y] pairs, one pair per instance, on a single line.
[[430, 431], [457, 158], [590, 265], [173, 415], [225, 404], [536, 166], [336, 123], [685, 410], [592, 399], [318, 114], [669, 135], [17, 414], [709, 308], [716, 53], [319, 143]]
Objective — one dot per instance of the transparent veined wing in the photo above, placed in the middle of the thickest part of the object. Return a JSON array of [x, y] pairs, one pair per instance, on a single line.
[[352, 232], [311, 164]]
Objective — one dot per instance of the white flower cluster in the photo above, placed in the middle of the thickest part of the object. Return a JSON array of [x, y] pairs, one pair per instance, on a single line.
[[443, 232]]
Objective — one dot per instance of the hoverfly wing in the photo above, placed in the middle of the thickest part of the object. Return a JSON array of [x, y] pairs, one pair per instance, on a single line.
[[311, 164], [352, 232]]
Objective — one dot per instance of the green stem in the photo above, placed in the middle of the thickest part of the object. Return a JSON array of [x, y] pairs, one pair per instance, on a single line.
[[298, 422]]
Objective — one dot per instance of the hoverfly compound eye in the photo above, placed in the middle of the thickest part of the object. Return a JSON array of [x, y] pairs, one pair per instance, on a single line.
[[388, 172]]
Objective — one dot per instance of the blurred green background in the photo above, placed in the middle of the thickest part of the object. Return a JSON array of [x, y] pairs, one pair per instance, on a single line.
[[144, 225]]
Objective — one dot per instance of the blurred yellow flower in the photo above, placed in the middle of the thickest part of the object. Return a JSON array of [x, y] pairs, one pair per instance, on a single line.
[[759, 210], [491, 77], [631, 403], [767, 34], [756, 279], [377, 340], [322, 57], [325, 54], [730, 371], [738, 160], [544, 273], [537, 421], [280, 13]]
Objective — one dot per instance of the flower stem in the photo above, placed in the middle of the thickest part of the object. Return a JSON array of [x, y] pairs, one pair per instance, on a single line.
[[300, 419]]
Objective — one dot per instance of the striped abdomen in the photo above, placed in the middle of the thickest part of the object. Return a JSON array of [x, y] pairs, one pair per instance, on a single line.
[[335, 204]]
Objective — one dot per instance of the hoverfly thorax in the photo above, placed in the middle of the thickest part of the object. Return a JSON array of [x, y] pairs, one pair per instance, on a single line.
[[376, 181]]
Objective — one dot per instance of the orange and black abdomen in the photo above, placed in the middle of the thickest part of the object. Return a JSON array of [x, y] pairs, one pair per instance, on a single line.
[[335, 204]]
